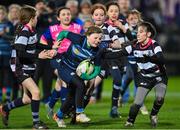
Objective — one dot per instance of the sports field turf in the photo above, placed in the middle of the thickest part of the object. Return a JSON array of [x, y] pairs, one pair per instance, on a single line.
[[169, 116]]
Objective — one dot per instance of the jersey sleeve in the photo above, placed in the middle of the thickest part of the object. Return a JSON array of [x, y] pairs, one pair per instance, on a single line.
[[158, 58], [75, 38], [157, 48], [128, 49], [46, 37], [21, 40]]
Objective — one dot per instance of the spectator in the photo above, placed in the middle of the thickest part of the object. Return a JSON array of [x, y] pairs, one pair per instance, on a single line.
[[51, 13], [13, 15], [73, 5], [85, 8], [6, 32]]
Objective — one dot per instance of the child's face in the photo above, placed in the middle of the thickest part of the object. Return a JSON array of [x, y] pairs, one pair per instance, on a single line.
[[142, 34], [14, 13], [2, 15], [87, 24], [65, 17], [113, 12], [86, 9], [94, 39], [98, 17], [133, 20]]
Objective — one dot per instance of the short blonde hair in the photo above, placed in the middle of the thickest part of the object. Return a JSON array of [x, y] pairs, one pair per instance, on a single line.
[[136, 12], [12, 6], [3, 8]]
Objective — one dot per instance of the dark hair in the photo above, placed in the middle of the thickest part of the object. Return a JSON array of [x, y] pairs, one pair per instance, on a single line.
[[51, 5], [149, 28], [98, 6], [93, 29], [112, 3], [26, 13], [38, 1], [60, 9]]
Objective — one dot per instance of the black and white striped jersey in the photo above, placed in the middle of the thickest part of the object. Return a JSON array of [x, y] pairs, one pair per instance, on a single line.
[[121, 36], [147, 68], [149, 58], [25, 48], [109, 34]]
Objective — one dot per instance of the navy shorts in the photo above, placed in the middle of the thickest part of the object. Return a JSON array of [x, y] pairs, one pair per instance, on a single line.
[[4, 61], [55, 63], [66, 73]]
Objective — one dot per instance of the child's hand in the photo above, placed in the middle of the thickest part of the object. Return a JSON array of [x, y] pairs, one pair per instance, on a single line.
[[52, 53], [120, 25], [44, 55], [56, 45]]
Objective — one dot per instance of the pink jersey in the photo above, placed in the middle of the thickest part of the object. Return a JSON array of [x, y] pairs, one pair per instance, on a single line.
[[54, 31]]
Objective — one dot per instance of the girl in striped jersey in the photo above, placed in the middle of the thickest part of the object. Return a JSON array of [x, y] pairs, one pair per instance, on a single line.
[[120, 26], [152, 72], [23, 60], [133, 19], [109, 37], [48, 38]]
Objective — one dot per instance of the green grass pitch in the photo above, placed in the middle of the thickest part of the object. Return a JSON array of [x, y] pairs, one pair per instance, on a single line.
[[169, 116]]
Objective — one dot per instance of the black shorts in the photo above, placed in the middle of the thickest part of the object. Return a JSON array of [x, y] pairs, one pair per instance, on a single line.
[[19, 72], [23, 74], [149, 83]]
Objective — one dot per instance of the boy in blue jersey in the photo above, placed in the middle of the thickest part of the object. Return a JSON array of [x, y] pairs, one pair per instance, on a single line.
[[82, 47]]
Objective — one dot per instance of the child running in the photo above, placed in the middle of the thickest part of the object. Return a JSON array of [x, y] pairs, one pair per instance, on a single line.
[[152, 72], [23, 59], [81, 48]]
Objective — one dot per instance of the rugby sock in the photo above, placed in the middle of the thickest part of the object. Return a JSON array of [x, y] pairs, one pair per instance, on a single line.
[[115, 95], [134, 109], [14, 104], [79, 110], [125, 92], [59, 114], [63, 94], [35, 110], [157, 105], [54, 98], [8, 94]]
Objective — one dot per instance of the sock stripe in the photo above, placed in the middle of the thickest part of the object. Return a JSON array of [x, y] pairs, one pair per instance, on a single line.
[[35, 119], [117, 87], [13, 105], [9, 106], [35, 113]]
